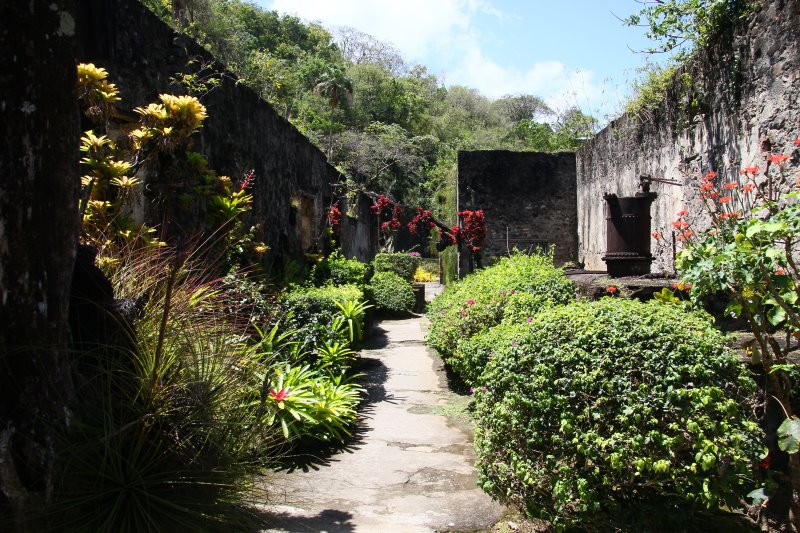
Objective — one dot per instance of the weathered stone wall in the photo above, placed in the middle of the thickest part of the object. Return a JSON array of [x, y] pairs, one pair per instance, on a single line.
[[292, 177], [528, 199], [735, 104], [358, 235]]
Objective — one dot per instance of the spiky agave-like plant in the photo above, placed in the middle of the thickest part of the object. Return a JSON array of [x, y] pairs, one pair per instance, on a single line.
[[167, 436]]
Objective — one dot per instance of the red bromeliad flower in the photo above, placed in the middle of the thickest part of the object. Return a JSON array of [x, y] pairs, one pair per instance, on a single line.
[[279, 396], [611, 289]]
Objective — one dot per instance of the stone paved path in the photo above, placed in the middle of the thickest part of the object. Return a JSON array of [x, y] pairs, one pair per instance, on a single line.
[[410, 467]]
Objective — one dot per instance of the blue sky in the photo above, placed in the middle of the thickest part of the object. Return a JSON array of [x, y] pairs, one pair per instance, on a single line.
[[570, 52]]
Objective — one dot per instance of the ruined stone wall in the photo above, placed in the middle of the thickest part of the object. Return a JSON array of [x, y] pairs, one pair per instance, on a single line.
[[735, 104], [528, 199], [293, 179]]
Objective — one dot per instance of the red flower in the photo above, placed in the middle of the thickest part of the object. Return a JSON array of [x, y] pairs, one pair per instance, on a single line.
[[680, 224], [780, 271], [749, 187], [749, 170], [710, 175], [334, 215], [279, 396], [778, 159], [249, 178], [764, 463], [473, 230], [706, 187], [611, 289], [683, 213], [731, 185], [725, 199], [797, 142], [656, 234]]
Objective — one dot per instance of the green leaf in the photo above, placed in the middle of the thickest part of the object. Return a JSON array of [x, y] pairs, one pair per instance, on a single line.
[[776, 315], [758, 496], [789, 435]]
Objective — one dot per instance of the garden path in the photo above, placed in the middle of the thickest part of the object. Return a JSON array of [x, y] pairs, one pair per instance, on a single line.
[[410, 465]]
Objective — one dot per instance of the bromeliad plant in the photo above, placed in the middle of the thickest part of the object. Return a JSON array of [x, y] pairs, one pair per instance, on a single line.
[[749, 254]]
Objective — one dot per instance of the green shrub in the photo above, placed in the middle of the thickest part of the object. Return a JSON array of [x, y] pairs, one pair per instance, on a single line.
[[479, 301], [391, 293], [339, 270], [401, 263], [474, 353], [614, 412], [310, 310]]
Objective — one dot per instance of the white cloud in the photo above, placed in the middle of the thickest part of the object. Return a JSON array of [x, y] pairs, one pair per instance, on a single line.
[[445, 32]]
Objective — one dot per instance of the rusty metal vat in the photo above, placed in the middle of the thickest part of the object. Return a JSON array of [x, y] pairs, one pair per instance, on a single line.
[[628, 234]]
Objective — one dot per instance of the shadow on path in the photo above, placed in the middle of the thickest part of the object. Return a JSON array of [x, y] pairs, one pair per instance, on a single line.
[[329, 520]]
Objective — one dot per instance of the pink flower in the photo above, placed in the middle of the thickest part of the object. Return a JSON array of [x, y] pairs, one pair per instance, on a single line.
[[530, 319], [279, 396], [470, 302], [248, 179], [514, 343]]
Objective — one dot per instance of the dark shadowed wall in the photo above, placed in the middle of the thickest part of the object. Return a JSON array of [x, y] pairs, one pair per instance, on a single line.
[[528, 199]]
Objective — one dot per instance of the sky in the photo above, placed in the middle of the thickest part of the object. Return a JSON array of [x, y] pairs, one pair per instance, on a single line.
[[569, 52]]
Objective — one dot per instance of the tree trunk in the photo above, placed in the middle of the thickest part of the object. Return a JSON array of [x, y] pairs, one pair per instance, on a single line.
[[39, 187]]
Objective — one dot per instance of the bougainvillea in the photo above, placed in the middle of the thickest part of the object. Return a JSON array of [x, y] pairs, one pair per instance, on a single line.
[[388, 213], [473, 230], [334, 216], [422, 222]]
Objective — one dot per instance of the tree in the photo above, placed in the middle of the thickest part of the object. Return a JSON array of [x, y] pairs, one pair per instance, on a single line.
[[338, 89], [522, 107], [361, 48]]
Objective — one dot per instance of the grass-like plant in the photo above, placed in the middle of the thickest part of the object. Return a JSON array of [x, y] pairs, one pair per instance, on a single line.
[[166, 436]]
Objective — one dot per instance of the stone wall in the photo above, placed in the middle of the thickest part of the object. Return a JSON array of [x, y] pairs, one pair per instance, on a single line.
[[293, 179], [735, 104], [528, 199]]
